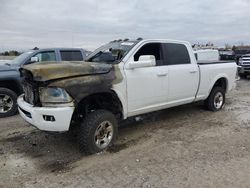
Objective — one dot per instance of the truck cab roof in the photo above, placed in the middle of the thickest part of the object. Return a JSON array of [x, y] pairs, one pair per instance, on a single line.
[[58, 48], [56, 53]]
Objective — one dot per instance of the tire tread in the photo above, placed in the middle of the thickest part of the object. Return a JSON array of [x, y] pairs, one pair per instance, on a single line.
[[88, 127], [209, 101]]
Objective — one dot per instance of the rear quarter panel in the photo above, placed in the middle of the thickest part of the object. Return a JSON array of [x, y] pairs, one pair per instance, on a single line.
[[210, 73]]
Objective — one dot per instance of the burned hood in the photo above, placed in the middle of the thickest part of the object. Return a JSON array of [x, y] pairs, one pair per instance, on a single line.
[[57, 70]]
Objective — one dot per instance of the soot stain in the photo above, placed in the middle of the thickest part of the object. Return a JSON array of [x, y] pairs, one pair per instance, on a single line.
[[58, 166], [13, 139], [121, 146]]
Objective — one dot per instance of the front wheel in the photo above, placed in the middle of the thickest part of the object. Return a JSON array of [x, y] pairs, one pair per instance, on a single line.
[[216, 99], [8, 102], [97, 132]]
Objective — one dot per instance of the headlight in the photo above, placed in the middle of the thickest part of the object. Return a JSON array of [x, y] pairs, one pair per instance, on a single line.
[[54, 95], [240, 61]]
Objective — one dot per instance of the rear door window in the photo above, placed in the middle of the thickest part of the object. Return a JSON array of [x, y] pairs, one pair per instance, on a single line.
[[69, 55], [176, 54]]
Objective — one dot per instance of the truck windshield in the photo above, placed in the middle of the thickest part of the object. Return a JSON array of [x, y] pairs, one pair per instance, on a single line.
[[112, 52], [19, 59]]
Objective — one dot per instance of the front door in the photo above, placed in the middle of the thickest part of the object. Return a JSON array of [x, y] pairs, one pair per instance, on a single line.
[[147, 86]]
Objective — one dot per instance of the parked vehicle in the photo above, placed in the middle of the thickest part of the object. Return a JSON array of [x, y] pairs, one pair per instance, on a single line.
[[4, 61], [207, 55], [120, 80], [244, 63], [227, 55], [239, 51], [10, 86]]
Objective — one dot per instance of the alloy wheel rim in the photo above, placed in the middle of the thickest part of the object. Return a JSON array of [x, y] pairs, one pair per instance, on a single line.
[[218, 100], [103, 134], [6, 103]]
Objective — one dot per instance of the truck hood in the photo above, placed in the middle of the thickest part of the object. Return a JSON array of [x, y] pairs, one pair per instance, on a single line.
[[58, 70], [4, 68]]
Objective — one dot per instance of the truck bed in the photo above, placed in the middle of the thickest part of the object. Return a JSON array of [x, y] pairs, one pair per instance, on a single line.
[[210, 71]]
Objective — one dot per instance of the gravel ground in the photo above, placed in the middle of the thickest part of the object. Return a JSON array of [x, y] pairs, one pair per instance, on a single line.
[[185, 146]]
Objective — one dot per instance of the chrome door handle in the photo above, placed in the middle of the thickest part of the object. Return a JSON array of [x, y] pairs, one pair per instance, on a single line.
[[192, 72], [162, 74]]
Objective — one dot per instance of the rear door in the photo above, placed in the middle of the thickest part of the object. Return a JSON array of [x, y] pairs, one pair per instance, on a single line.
[[183, 75]]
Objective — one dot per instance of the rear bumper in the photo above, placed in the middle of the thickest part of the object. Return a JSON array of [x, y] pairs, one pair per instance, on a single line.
[[46, 118]]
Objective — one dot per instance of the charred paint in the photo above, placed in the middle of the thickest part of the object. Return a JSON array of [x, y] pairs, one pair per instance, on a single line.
[[80, 87], [118, 74], [79, 79], [51, 70]]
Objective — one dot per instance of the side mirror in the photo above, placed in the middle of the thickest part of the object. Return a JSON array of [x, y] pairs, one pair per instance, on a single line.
[[34, 59], [144, 61]]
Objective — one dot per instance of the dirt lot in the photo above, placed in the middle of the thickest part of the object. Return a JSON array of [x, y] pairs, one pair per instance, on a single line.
[[179, 147], [7, 57]]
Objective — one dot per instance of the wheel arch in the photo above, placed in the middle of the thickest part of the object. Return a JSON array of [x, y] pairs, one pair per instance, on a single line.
[[221, 81], [13, 85], [105, 100]]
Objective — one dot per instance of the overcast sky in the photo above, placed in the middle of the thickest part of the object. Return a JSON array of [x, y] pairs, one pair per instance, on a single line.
[[25, 24]]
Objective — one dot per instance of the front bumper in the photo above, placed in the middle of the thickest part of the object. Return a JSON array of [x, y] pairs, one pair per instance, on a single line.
[[46, 118], [244, 69]]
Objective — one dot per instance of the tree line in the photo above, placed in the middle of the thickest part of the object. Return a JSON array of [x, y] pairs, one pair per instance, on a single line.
[[10, 53]]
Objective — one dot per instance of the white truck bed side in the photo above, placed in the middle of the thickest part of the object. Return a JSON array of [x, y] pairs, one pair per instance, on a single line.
[[211, 72]]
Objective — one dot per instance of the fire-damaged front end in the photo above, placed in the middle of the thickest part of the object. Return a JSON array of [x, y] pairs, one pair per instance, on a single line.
[[53, 90]]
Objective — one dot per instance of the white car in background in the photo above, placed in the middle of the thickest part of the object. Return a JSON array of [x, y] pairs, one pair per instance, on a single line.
[[207, 55]]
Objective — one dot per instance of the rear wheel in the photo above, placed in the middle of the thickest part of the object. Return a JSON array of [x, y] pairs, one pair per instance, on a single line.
[[8, 102], [97, 132], [216, 99]]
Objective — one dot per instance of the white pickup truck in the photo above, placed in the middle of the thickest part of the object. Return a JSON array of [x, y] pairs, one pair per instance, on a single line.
[[119, 80]]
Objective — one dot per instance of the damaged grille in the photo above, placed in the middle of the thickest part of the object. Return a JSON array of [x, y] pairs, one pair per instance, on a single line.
[[28, 93], [30, 88]]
